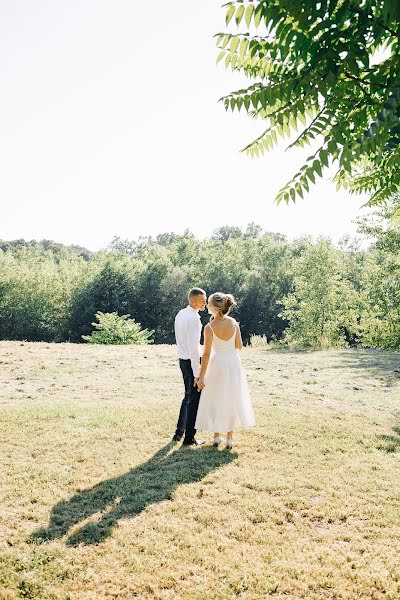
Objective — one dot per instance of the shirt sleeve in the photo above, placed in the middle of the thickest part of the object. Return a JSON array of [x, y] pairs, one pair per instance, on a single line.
[[193, 340]]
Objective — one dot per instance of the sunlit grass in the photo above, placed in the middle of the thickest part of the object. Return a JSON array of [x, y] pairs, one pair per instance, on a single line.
[[96, 502]]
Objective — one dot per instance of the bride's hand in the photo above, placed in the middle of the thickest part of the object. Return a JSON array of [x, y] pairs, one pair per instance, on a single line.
[[200, 384]]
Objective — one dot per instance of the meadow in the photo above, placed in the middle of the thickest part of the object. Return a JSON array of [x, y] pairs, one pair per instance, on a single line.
[[97, 502]]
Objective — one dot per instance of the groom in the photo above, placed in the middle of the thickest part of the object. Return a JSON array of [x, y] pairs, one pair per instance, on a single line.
[[187, 334]]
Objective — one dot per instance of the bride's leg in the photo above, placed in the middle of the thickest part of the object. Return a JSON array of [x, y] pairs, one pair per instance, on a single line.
[[217, 438], [229, 439]]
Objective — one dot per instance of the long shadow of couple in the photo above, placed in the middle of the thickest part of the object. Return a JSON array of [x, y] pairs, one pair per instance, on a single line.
[[130, 493]]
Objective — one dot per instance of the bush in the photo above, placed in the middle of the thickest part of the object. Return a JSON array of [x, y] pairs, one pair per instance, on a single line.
[[114, 329], [259, 341]]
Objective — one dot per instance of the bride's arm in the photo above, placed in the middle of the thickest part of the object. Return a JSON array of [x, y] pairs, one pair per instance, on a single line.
[[208, 336], [238, 338]]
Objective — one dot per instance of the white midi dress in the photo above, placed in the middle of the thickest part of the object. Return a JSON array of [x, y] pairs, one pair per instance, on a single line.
[[225, 402]]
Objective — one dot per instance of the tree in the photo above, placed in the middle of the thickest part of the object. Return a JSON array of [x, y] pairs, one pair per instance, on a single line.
[[321, 309], [253, 230], [265, 282], [315, 68], [36, 287], [111, 289], [227, 232], [380, 321]]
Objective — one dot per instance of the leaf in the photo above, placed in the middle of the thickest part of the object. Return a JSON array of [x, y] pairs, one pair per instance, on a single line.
[[220, 56], [234, 43], [254, 100], [302, 118], [243, 47], [226, 40], [248, 14], [323, 156], [258, 14], [317, 167], [229, 13], [310, 174], [239, 14], [353, 66], [299, 190]]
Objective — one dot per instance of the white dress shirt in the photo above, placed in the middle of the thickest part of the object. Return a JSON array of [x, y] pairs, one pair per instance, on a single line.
[[187, 335]]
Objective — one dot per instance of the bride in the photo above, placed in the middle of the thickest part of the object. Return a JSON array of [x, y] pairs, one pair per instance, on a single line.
[[225, 402]]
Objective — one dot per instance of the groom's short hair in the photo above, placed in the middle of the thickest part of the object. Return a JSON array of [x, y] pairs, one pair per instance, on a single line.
[[196, 291]]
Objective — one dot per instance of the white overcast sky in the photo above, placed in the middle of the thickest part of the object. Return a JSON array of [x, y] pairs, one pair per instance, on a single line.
[[110, 125]]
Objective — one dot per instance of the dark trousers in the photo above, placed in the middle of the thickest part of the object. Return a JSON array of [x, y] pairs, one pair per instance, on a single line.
[[190, 402]]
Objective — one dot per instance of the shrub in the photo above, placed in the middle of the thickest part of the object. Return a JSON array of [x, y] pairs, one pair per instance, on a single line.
[[259, 341], [114, 329]]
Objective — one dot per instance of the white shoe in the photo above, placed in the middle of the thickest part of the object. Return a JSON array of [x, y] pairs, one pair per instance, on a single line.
[[217, 440], [229, 442]]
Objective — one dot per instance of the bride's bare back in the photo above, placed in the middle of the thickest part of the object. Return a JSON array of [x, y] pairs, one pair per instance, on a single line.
[[225, 328]]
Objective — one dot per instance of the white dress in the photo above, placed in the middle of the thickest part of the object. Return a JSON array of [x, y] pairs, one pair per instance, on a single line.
[[225, 402]]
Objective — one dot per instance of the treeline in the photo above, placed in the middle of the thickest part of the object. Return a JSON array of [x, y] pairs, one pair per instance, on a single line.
[[305, 293]]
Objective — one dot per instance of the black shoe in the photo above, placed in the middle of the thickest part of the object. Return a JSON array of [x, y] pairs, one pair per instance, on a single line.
[[192, 442], [177, 438]]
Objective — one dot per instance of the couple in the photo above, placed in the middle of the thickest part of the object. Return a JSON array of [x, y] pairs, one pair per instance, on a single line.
[[216, 392]]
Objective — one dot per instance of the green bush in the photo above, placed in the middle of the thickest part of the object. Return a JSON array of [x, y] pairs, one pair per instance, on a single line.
[[114, 329]]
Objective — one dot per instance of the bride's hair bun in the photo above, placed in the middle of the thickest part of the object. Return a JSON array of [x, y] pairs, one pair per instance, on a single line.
[[229, 302], [222, 302]]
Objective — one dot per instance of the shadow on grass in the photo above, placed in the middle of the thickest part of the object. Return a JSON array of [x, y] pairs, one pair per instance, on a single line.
[[378, 363], [391, 443], [129, 494]]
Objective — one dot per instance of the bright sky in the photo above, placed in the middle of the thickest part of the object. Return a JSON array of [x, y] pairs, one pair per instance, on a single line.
[[110, 125]]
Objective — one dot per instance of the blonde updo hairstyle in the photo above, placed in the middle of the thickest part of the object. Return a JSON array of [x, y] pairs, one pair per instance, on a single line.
[[222, 302]]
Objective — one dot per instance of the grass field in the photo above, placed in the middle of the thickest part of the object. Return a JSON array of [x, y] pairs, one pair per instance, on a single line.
[[96, 502]]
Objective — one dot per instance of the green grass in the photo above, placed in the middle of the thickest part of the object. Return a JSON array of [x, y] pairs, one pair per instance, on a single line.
[[97, 503]]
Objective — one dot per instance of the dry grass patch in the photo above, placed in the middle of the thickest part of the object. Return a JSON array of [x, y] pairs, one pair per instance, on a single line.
[[97, 503]]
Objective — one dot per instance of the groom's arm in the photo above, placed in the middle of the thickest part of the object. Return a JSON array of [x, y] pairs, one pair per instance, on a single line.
[[193, 347], [208, 336]]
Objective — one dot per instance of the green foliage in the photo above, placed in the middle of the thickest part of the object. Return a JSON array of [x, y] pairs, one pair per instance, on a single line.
[[380, 289], [114, 329], [321, 308], [57, 250], [301, 293], [316, 79], [108, 287], [380, 320], [36, 289]]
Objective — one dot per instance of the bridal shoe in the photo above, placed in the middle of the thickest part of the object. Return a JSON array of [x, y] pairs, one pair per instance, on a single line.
[[217, 440]]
